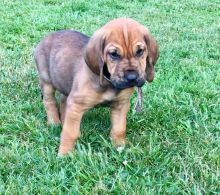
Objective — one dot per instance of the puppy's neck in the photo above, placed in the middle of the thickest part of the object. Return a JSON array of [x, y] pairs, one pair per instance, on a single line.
[[95, 82]]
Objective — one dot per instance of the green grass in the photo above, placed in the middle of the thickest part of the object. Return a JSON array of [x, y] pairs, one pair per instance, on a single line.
[[173, 145]]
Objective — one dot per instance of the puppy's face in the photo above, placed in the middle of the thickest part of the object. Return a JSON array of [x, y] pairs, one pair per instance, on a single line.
[[127, 53], [125, 59]]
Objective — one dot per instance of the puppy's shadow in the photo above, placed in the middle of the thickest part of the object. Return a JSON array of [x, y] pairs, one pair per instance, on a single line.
[[95, 125], [96, 119]]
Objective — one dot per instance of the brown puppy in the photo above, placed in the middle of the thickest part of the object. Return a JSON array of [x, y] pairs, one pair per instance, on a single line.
[[103, 69]]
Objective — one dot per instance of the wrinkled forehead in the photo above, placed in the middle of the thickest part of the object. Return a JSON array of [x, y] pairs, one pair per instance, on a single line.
[[125, 34]]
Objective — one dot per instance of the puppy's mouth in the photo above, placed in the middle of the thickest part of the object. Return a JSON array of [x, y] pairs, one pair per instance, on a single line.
[[122, 84], [126, 84]]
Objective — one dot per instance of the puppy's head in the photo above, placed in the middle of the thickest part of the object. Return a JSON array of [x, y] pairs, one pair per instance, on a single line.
[[124, 52]]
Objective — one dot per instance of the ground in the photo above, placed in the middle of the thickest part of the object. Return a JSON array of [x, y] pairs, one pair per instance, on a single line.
[[173, 144]]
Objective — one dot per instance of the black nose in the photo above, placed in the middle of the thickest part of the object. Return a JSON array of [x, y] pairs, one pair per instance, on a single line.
[[131, 75]]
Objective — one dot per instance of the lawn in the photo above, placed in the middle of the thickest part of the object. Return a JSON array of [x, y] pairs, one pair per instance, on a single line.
[[173, 145]]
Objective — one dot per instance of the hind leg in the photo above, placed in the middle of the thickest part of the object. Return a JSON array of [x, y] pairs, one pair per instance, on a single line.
[[47, 88], [63, 107], [50, 103]]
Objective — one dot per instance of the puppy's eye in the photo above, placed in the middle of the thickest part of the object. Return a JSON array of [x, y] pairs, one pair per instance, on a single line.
[[114, 55], [139, 52]]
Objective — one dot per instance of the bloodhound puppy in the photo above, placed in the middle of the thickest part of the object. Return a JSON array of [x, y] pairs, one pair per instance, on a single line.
[[101, 70]]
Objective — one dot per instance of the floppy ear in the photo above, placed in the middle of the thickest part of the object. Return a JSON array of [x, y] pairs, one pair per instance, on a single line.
[[153, 54], [94, 53]]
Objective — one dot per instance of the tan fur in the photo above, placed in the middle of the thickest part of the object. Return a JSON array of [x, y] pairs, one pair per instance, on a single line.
[[125, 33], [86, 74]]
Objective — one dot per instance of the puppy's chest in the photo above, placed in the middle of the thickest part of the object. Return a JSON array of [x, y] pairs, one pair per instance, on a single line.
[[109, 95], [107, 98]]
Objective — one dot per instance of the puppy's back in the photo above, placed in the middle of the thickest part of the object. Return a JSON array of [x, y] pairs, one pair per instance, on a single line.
[[58, 57]]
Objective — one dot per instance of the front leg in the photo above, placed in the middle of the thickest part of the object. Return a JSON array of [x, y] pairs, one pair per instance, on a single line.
[[118, 118], [71, 126]]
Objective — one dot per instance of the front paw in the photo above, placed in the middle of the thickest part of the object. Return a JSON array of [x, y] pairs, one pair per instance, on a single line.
[[119, 142], [64, 149], [67, 144]]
